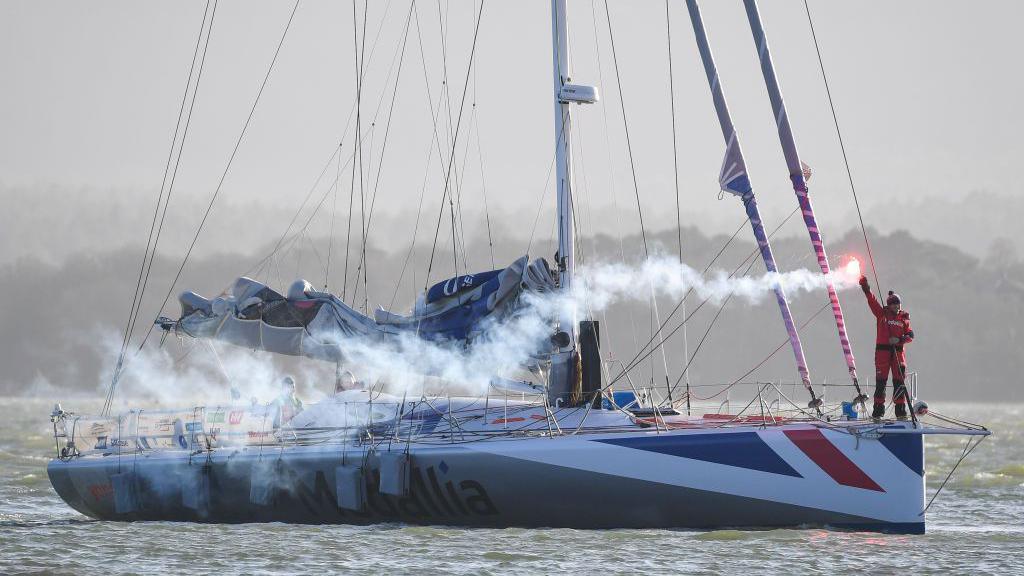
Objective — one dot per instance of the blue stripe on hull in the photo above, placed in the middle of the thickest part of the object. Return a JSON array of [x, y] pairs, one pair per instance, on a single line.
[[906, 447], [739, 449]]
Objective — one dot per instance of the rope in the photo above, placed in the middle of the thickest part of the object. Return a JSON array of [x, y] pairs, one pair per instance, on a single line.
[[360, 60], [259, 266], [455, 137], [625, 125], [655, 315], [330, 240], [150, 247], [423, 187], [842, 147], [675, 168], [638, 358], [770, 355], [967, 452], [291, 241], [387, 132], [611, 170], [153, 241], [220, 185], [707, 332]]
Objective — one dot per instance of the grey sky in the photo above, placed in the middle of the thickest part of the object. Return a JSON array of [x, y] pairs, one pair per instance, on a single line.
[[927, 94]]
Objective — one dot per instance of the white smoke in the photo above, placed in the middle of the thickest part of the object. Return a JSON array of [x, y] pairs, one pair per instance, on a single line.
[[504, 347], [187, 372], [602, 285], [409, 365]]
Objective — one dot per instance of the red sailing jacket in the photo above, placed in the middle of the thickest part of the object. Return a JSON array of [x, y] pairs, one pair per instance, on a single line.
[[889, 324]]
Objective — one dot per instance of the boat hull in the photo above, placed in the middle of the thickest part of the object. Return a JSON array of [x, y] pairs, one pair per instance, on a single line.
[[784, 476]]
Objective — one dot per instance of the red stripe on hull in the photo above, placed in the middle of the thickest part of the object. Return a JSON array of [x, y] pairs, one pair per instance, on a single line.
[[829, 458]]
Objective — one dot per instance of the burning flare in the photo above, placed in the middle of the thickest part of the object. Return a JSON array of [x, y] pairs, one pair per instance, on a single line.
[[852, 269]]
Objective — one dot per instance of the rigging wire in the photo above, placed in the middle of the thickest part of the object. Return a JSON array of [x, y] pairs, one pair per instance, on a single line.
[[544, 192], [435, 141], [337, 150], [655, 315], [292, 240], [625, 124], [348, 226], [641, 355], [842, 147], [455, 136], [442, 17], [227, 168], [458, 191], [609, 164], [805, 323], [675, 181], [703, 338], [360, 58], [480, 160], [380, 161], [483, 189], [153, 240], [435, 113], [330, 239]]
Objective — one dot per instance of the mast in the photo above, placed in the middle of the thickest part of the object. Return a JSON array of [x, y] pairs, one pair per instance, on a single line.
[[799, 179], [565, 383], [563, 159], [734, 179]]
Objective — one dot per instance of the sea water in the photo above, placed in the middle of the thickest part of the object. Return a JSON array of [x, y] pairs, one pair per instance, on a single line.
[[976, 526]]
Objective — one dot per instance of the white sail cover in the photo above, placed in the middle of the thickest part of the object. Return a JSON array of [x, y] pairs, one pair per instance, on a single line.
[[310, 323]]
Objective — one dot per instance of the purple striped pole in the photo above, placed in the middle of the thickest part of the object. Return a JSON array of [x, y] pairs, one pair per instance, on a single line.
[[734, 179], [796, 174]]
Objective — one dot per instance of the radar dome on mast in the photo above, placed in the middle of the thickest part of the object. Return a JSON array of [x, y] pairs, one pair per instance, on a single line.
[[578, 94]]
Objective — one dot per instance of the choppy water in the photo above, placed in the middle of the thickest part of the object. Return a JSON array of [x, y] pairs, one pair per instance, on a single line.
[[976, 526]]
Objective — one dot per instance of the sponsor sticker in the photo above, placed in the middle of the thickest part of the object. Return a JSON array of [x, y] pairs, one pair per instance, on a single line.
[[100, 491]]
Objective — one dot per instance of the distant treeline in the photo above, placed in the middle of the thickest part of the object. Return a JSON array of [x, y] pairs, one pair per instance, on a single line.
[[57, 320]]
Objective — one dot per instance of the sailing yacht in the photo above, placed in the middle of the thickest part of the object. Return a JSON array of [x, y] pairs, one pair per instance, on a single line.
[[558, 447]]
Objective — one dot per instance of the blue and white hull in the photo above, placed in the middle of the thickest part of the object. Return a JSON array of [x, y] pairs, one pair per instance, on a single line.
[[862, 476]]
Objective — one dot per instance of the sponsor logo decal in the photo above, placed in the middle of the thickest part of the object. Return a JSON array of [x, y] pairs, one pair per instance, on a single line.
[[431, 496], [100, 491]]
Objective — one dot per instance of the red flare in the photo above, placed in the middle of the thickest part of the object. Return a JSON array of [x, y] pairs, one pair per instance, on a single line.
[[853, 268]]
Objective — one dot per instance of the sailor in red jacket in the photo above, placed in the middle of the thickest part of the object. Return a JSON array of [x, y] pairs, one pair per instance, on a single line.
[[893, 332]]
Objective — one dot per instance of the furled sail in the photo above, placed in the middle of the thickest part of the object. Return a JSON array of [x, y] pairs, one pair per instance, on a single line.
[[734, 179], [314, 324], [799, 173]]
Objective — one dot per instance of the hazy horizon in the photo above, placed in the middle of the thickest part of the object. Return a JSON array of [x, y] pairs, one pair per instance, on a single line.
[[93, 93]]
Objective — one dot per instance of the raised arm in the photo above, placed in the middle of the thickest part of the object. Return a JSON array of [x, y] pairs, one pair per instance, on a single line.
[[876, 308]]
